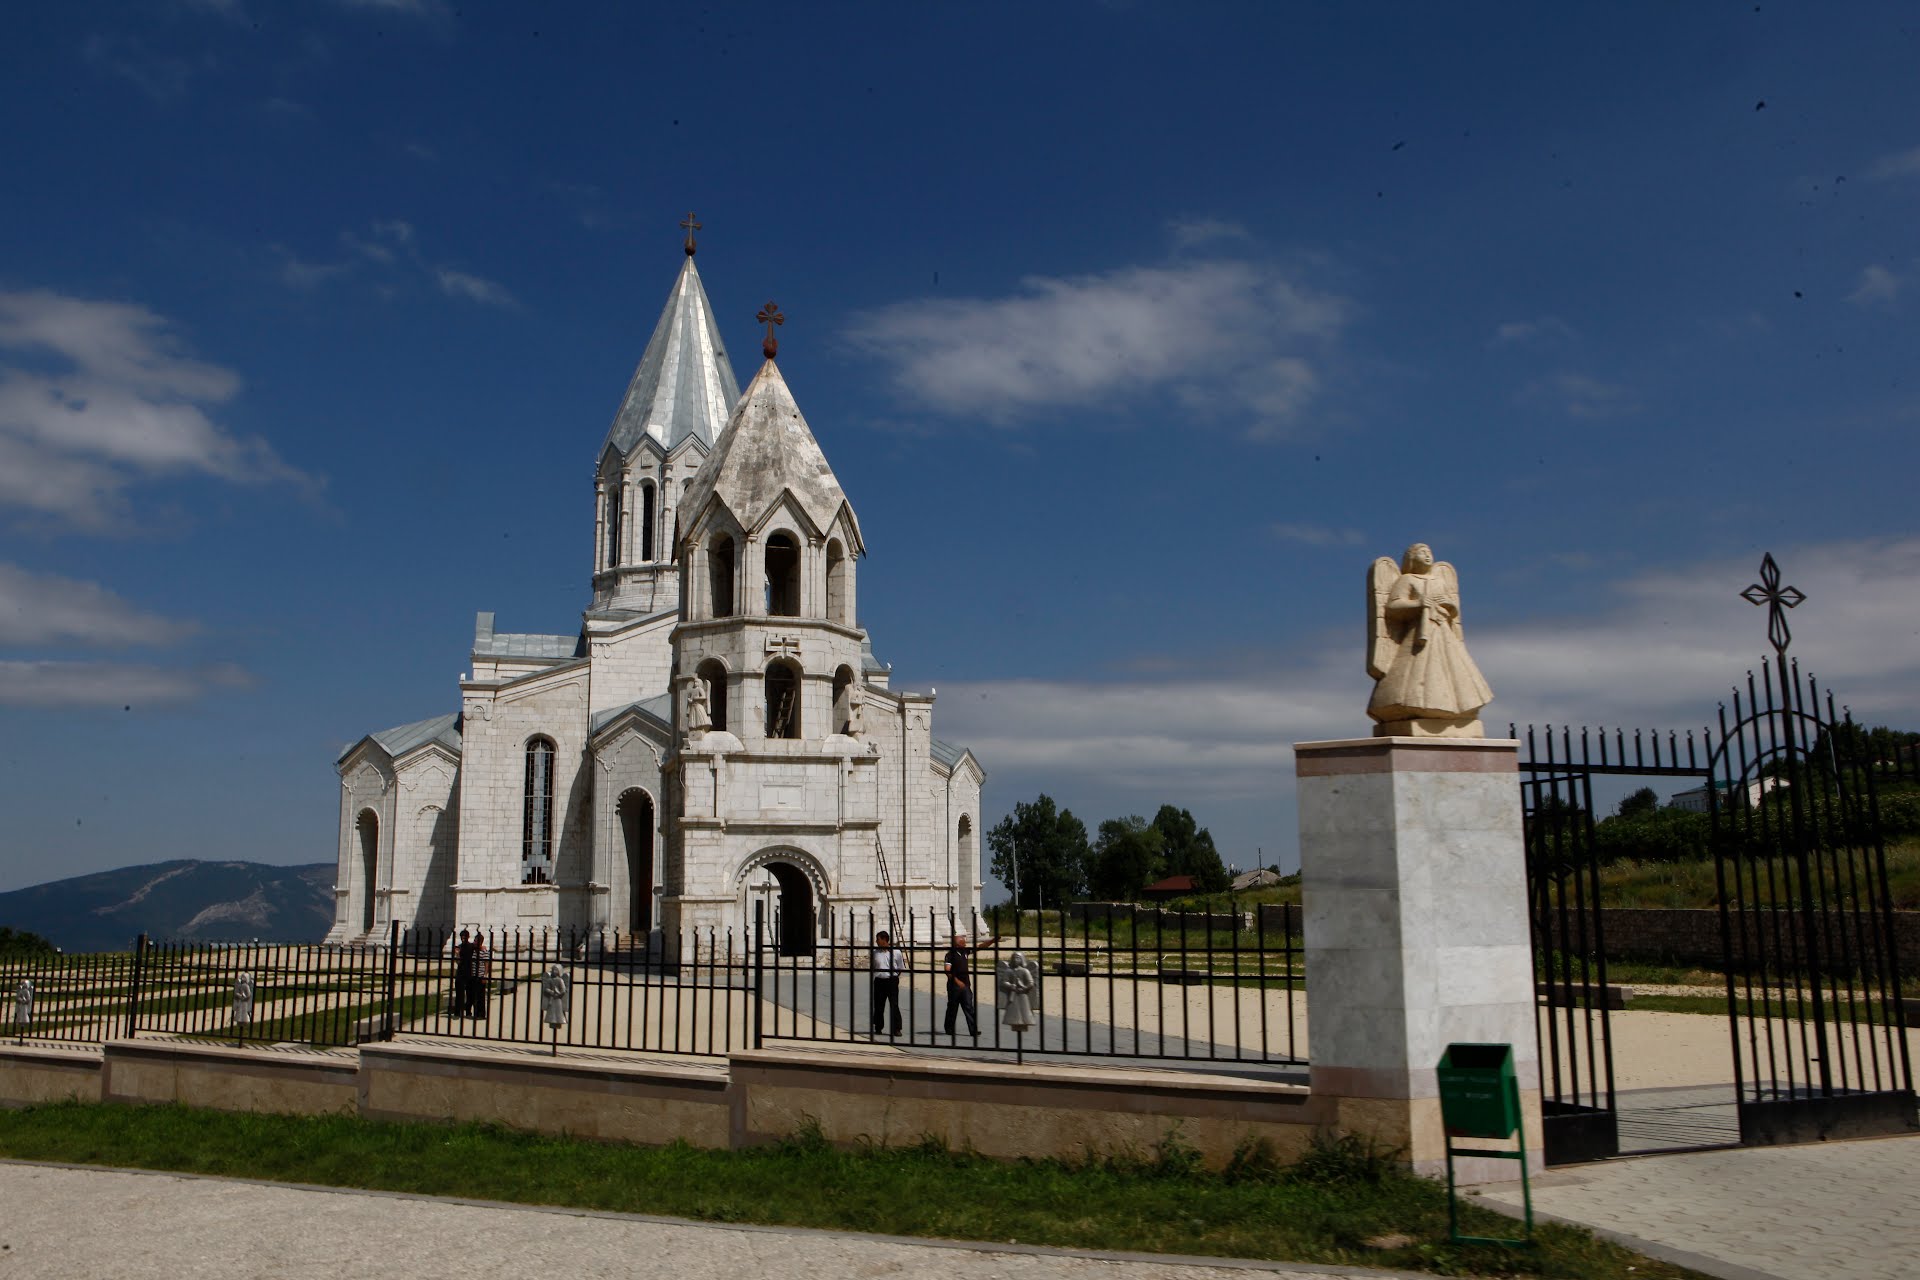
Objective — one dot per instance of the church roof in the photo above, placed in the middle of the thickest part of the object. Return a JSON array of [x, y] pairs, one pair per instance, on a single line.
[[401, 739], [766, 451], [658, 708], [951, 753], [684, 385]]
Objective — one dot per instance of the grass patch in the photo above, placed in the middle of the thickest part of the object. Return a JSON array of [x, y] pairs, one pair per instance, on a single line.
[[1326, 1210]]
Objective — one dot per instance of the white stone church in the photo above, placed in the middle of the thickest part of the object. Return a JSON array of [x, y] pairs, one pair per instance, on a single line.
[[717, 733]]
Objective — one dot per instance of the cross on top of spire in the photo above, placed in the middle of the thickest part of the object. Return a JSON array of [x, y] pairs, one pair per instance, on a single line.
[[1778, 600], [690, 224], [770, 316]]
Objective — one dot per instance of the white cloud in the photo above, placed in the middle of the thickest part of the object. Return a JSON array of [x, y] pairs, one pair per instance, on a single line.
[[1314, 535], [1897, 164], [1662, 651], [390, 254], [1237, 339], [41, 609], [1190, 233], [163, 77], [1877, 285], [46, 685], [1579, 395], [460, 284], [1531, 332], [94, 395]]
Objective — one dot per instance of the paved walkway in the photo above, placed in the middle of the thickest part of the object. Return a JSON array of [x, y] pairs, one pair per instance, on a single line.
[[1828, 1211], [63, 1223]]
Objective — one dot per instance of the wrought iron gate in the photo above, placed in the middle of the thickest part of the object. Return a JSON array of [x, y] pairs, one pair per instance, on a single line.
[[1574, 996], [1810, 950], [1812, 962]]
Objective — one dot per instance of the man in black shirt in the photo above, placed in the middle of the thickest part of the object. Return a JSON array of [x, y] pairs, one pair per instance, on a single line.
[[960, 985]]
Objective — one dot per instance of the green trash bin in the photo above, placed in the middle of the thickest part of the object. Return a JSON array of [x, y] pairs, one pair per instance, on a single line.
[[1480, 1098]]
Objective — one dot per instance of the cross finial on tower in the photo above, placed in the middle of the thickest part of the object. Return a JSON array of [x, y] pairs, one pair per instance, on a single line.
[[1778, 600], [770, 316], [691, 225]]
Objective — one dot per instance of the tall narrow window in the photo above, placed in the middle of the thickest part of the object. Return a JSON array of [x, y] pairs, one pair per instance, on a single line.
[[783, 576], [843, 700], [720, 575], [536, 845], [614, 505], [714, 676], [368, 825], [646, 523], [783, 700], [837, 584]]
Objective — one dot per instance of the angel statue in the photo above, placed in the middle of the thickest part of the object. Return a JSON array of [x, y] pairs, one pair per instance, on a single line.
[[1427, 685], [1018, 983], [23, 1005], [242, 999]]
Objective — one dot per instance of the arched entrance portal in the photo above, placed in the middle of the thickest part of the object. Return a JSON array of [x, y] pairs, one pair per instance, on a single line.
[[636, 828], [368, 825], [786, 889]]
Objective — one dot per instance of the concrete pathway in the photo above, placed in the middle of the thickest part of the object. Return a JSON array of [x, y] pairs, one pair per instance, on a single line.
[[62, 1223], [1829, 1211]]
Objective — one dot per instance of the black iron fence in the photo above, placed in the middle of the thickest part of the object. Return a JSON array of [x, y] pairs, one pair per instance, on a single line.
[[1142, 984]]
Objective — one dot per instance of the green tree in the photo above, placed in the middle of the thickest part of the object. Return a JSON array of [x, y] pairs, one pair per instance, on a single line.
[[1126, 858], [1190, 851], [1643, 801], [1046, 847], [19, 944]]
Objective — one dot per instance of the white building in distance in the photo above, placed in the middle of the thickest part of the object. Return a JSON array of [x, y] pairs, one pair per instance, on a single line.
[[717, 733]]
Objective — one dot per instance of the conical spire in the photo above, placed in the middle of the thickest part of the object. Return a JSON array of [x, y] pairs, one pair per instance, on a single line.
[[767, 450], [685, 384]]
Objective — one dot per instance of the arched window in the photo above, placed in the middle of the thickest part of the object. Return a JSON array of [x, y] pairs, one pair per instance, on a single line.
[[969, 857], [646, 522], [837, 584], [368, 825], [720, 576], [635, 810], [783, 700], [783, 576], [843, 700], [714, 676], [536, 844], [614, 505]]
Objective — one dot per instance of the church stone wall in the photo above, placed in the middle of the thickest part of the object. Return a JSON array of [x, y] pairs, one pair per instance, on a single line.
[[425, 845], [631, 666], [497, 726], [628, 761], [366, 782]]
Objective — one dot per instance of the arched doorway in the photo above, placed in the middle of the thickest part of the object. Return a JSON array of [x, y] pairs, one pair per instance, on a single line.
[[368, 825], [793, 919], [636, 829]]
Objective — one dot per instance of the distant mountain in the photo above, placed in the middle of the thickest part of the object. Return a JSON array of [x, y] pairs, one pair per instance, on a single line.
[[203, 901]]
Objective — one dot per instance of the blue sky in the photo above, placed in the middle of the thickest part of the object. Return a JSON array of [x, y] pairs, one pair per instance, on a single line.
[[1134, 331]]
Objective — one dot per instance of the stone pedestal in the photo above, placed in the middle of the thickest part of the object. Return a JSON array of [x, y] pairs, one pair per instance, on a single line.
[[1414, 875]]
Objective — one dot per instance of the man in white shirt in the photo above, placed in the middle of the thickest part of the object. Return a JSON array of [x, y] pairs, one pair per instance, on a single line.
[[889, 962]]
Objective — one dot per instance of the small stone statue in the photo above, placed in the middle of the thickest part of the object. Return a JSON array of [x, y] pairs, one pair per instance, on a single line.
[[1018, 983], [699, 718], [242, 999], [23, 1005], [856, 715], [1427, 685], [556, 990]]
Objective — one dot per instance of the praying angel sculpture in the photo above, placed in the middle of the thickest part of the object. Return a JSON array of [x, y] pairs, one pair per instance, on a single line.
[[1427, 685], [23, 1005], [1019, 985], [556, 988], [242, 999], [699, 716]]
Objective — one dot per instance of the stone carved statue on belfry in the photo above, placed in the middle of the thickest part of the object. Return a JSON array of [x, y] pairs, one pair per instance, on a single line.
[[1426, 683]]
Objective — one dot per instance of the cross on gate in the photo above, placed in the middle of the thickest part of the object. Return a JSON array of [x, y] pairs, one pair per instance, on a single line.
[[690, 224], [1778, 600], [786, 645]]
